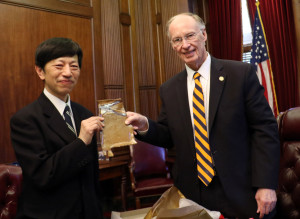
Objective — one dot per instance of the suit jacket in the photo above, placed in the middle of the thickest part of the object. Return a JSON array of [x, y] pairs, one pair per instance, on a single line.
[[60, 173], [243, 134]]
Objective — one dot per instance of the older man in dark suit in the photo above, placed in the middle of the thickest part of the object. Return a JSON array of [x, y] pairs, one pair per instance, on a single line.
[[54, 141], [216, 116]]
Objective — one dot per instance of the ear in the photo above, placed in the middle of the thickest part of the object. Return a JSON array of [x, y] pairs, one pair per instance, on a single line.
[[204, 34], [40, 72]]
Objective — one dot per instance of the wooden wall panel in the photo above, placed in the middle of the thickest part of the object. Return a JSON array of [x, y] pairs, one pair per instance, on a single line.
[[149, 103], [118, 52], [111, 41], [146, 69], [173, 63], [87, 3], [115, 93], [80, 8], [145, 53], [128, 39], [25, 29]]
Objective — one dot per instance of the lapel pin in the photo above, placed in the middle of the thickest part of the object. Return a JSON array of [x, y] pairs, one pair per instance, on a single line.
[[221, 78]]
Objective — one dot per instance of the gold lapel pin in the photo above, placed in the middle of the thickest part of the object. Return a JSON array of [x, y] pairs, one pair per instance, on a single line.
[[221, 78]]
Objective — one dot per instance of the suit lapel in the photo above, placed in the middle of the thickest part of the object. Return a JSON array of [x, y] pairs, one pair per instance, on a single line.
[[54, 120], [183, 104], [217, 82]]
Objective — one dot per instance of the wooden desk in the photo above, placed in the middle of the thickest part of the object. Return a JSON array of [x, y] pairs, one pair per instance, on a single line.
[[113, 169]]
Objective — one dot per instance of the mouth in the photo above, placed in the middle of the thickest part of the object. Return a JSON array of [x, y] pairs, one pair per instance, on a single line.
[[189, 53], [66, 82]]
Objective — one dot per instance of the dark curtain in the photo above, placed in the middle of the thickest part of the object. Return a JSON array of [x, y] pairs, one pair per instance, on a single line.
[[278, 21], [226, 29]]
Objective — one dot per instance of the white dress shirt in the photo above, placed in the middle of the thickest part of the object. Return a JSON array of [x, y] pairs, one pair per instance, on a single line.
[[60, 105], [204, 71]]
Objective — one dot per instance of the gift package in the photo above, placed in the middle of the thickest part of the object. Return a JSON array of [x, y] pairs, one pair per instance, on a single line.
[[115, 132], [171, 205]]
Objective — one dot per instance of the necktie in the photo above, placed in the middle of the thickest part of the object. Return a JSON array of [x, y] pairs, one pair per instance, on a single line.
[[203, 154], [68, 119]]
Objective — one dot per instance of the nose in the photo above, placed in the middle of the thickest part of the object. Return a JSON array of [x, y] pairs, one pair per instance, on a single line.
[[185, 43], [67, 71]]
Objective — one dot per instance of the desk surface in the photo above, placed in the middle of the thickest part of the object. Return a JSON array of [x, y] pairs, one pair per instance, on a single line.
[[110, 164], [109, 170]]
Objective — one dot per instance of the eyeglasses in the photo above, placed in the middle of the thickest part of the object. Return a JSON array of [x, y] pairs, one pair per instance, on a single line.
[[178, 41]]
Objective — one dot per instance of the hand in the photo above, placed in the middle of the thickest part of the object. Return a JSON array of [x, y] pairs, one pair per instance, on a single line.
[[266, 201], [89, 127], [138, 121]]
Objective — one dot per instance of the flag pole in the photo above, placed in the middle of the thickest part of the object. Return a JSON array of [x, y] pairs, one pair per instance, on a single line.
[[271, 72]]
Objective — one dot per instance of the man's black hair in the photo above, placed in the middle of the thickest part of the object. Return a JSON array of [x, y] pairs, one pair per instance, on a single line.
[[54, 48]]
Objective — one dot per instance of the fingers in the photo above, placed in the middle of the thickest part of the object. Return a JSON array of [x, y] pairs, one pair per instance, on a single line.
[[266, 201], [89, 127], [94, 123], [131, 117], [138, 121]]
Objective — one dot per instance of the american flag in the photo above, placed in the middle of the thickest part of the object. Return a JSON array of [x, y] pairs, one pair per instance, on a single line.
[[260, 58]]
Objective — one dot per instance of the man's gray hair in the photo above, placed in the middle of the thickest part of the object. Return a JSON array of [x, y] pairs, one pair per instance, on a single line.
[[196, 17]]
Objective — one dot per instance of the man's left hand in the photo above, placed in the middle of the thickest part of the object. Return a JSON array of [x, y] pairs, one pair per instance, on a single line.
[[266, 201]]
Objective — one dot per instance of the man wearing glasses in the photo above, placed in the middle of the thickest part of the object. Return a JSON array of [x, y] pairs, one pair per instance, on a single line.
[[216, 116]]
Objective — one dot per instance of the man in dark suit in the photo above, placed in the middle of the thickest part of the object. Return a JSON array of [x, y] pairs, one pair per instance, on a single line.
[[57, 151], [242, 130]]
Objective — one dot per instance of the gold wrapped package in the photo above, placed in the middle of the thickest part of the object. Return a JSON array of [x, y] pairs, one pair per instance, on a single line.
[[115, 132], [168, 207]]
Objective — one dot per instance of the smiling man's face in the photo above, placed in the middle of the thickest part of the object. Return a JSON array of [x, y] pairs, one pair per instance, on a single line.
[[193, 52], [60, 75]]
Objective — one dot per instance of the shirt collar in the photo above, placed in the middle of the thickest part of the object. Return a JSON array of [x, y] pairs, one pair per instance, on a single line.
[[204, 69], [58, 103]]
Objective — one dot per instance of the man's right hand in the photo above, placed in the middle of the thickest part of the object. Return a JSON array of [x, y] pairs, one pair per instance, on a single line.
[[138, 121], [89, 127]]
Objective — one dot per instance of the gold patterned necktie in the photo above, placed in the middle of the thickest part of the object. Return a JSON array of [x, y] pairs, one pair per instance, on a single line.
[[203, 154]]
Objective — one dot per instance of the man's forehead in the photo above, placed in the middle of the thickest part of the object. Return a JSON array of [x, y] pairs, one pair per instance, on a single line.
[[67, 58], [183, 22]]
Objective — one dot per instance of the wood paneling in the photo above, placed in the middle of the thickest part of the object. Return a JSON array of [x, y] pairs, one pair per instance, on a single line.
[[25, 29], [173, 64], [144, 39], [148, 102], [111, 41], [80, 8], [118, 52]]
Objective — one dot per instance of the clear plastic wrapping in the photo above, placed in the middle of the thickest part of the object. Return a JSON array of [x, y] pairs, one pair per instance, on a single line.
[[115, 132]]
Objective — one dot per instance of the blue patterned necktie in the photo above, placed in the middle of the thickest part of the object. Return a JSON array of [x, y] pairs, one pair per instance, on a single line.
[[203, 154]]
